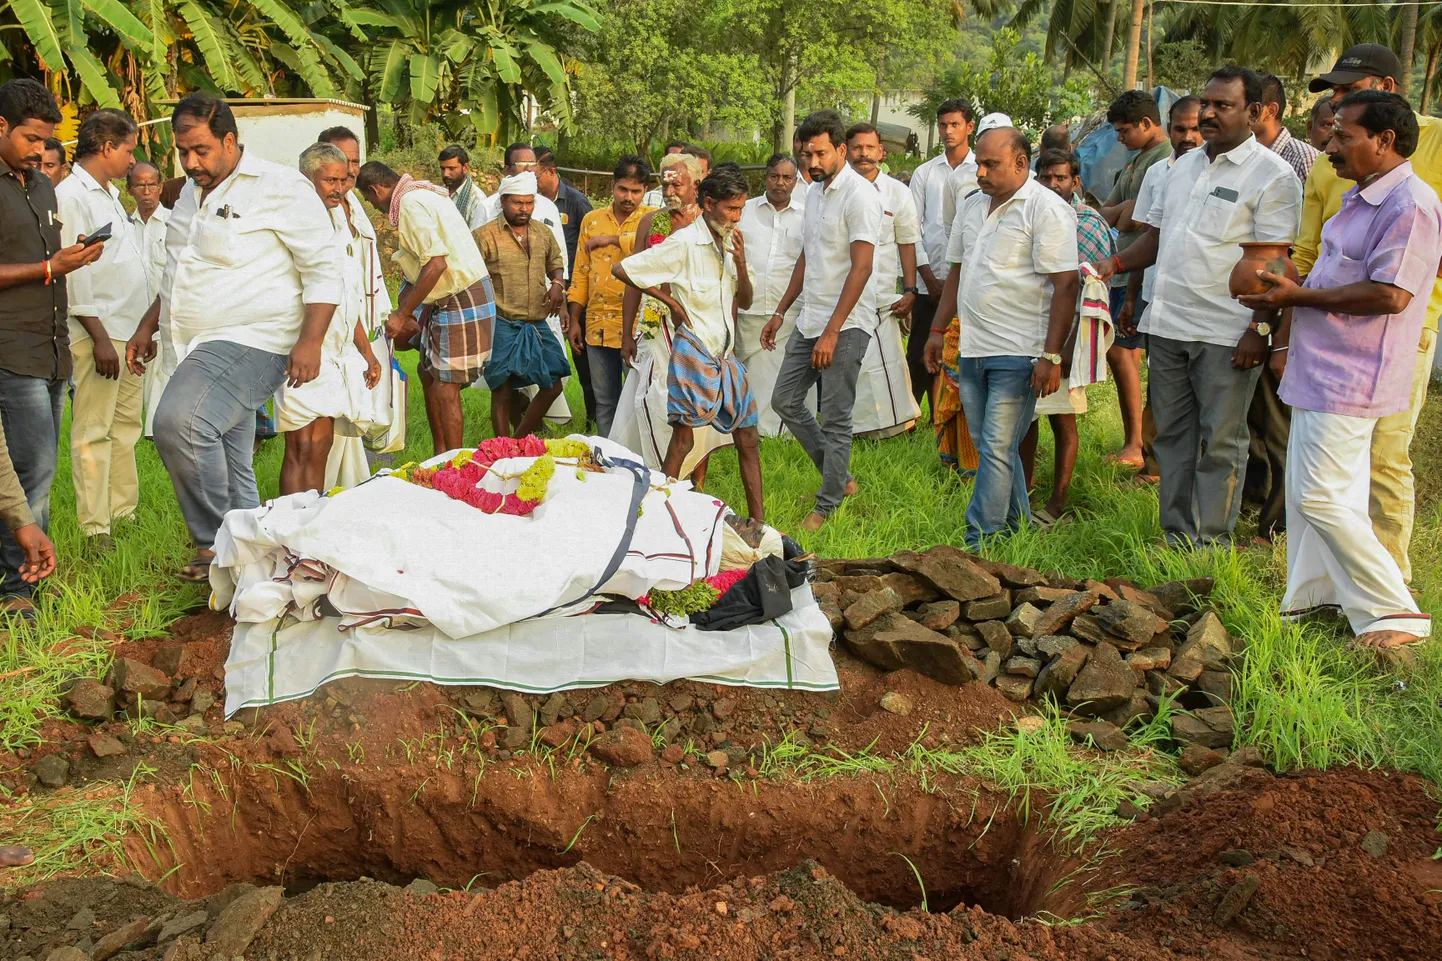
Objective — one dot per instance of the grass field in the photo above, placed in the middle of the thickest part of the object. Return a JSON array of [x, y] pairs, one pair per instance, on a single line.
[[1302, 697]]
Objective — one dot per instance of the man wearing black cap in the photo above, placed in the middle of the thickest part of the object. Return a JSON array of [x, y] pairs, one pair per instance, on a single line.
[[1371, 66]]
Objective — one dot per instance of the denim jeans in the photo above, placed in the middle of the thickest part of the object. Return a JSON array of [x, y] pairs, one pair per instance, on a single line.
[[997, 397], [205, 431], [606, 367], [828, 443], [30, 410]]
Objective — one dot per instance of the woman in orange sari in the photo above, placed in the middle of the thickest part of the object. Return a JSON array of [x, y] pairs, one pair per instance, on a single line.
[[953, 439]]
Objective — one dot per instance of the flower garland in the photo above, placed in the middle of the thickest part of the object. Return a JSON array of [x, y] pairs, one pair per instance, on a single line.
[[459, 478], [653, 313]]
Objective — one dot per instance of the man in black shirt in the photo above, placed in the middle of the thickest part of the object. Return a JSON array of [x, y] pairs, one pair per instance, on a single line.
[[573, 206], [34, 334]]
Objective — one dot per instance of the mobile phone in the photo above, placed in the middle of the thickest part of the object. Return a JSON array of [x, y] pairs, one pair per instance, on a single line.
[[98, 236]]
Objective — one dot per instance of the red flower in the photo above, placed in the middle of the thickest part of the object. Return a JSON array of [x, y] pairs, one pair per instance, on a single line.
[[655, 239]]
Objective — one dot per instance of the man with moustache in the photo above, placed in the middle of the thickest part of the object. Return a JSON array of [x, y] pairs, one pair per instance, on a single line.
[[884, 402], [1371, 66], [527, 269], [333, 404], [1206, 349], [649, 332], [469, 199], [697, 273], [107, 301], [595, 296], [838, 252], [35, 361], [771, 224], [55, 164], [251, 284], [1349, 363]]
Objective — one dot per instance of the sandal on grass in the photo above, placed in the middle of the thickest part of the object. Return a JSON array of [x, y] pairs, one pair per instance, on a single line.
[[199, 567], [1046, 520]]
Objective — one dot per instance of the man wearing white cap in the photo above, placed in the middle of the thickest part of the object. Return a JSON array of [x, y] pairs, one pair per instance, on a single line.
[[527, 268]]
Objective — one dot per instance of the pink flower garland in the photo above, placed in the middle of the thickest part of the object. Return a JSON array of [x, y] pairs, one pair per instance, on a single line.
[[458, 479]]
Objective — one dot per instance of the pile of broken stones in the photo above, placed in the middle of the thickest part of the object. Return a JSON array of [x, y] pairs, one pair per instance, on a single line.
[[1106, 652]]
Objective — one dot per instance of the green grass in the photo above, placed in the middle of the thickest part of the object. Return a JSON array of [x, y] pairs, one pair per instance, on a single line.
[[1301, 696]]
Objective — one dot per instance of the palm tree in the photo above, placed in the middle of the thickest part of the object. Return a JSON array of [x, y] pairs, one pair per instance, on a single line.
[[1285, 39]]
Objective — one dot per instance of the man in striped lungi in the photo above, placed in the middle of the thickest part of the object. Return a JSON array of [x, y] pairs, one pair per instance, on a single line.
[[696, 273]]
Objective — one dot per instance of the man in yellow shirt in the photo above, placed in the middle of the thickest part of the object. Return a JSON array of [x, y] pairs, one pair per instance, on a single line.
[[607, 235], [1371, 66]]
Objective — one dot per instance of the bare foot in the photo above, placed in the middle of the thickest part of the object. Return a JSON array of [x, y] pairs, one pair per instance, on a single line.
[[14, 857], [1385, 640], [851, 488], [1149, 478], [813, 522], [1129, 456]]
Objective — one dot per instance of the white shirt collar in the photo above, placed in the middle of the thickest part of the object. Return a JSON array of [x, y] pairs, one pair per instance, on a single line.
[[76, 170], [1240, 153]]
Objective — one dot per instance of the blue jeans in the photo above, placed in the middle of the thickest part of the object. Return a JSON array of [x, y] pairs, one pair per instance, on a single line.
[[205, 431], [997, 397], [30, 411], [606, 373]]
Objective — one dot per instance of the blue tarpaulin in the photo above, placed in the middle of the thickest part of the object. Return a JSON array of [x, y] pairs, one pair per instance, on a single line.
[[1103, 156]]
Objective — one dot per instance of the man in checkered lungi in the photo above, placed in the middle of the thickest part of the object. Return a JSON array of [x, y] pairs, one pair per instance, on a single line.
[[446, 309]]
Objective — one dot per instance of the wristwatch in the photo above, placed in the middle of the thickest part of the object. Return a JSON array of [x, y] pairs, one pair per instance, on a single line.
[[1262, 327], [911, 290], [1055, 359]]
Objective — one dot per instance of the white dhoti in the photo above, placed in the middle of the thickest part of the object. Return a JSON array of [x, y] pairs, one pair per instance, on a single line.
[[640, 422], [1063, 400], [884, 404], [763, 365], [1333, 557]]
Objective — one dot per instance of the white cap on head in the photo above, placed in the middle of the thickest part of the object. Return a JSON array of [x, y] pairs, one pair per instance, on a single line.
[[521, 184], [992, 121]]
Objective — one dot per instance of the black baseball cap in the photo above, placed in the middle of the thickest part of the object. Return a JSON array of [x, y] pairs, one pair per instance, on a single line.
[[1362, 60]]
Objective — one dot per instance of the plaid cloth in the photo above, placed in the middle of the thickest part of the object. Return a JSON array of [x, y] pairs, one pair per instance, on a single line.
[[1093, 233], [456, 333], [1299, 154], [702, 391], [1094, 333]]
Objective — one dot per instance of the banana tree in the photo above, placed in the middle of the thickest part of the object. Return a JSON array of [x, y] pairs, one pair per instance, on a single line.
[[471, 60], [132, 53]]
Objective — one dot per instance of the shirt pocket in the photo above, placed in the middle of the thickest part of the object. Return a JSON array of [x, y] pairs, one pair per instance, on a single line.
[[1216, 218], [215, 239], [1009, 245]]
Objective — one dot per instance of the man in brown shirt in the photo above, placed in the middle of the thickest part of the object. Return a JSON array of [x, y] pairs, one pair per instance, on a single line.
[[527, 270], [34, 333]]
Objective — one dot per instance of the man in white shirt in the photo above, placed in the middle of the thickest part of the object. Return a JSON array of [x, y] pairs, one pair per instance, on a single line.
[[469, 199], [251, 283], [445, 309], [935, 208], [1013, 282], [106, 301], [838, 252], [771, 224], [692, 274], [884, 402], [1206, 348], [150, 221]]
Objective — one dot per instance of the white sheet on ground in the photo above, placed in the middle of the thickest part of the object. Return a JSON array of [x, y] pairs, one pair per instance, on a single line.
[[269, 664]]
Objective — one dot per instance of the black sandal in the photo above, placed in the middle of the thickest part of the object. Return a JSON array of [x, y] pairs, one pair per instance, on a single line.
[[198, 570]]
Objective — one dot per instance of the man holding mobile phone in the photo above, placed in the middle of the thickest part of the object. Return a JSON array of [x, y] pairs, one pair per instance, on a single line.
[[34, 339], [107, 301]]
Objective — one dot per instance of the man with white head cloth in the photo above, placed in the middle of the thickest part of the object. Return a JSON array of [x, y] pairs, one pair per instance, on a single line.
[[527, 268], [334, 404]]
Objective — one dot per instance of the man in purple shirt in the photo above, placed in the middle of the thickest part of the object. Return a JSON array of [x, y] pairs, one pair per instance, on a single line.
[[1348, 361]]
